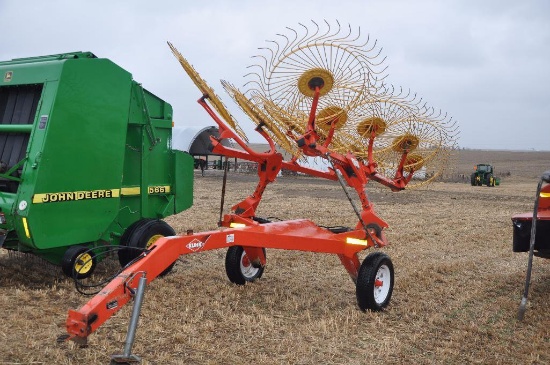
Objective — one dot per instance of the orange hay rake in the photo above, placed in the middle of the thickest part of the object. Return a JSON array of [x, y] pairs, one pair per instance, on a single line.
[[307, 119], [248, 235]]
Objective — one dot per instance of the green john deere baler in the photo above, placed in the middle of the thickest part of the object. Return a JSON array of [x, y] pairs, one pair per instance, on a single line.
[[85, 160]]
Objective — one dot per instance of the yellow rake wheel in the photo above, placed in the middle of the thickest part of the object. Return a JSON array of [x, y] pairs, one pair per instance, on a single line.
[[213, 99]]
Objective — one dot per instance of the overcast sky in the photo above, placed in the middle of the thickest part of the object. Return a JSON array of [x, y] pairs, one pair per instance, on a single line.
[[486, 63]]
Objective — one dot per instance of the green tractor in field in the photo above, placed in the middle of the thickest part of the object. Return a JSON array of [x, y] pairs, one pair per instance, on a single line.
[[484, 174]]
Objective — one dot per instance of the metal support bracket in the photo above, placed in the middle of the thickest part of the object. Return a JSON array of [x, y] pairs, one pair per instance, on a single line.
[[127, 357]]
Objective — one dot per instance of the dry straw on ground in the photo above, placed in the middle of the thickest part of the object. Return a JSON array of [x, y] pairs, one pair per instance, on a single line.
[[458, 286]]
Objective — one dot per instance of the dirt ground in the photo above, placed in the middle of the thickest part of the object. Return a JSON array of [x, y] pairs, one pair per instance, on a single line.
[[457, 289]]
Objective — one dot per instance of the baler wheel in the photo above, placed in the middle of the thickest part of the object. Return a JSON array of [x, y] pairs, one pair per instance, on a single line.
[[140, 236], [78, 262], [375, 282], [238, 267]]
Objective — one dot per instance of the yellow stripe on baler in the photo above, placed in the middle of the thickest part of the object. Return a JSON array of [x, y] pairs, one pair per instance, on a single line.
[[136, 190], [26, 226]]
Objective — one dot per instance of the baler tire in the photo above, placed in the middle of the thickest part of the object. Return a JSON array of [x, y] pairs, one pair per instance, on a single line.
[[375, 282], [71, 258], [237, 267], [127, 255], [142, 235]]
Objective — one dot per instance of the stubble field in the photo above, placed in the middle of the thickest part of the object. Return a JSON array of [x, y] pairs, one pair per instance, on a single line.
[[457, 287]]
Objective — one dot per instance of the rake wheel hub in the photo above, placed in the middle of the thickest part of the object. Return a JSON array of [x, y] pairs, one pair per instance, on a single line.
[[405, 143], [329, 115], [316, 77], [370, 125]]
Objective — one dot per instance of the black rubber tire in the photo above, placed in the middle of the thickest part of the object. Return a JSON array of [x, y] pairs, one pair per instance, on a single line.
[[489, 180], [366, 279], [71, 259], [473, 179], [136, 239], [233, 259]]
